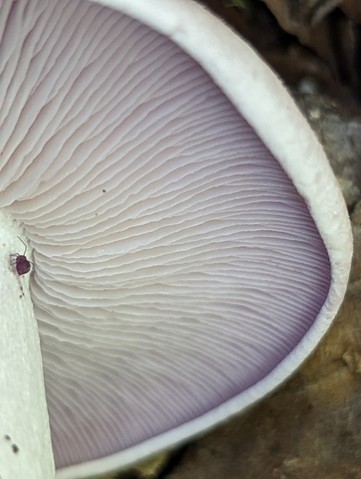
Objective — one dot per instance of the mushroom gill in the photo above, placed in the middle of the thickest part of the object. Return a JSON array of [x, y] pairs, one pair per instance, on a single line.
[[176, 264]]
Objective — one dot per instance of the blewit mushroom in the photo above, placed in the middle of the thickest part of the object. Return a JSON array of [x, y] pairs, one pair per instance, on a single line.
[[191, 245]]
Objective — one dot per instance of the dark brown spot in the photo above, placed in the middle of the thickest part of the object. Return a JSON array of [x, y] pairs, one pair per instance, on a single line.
[[15, 448]]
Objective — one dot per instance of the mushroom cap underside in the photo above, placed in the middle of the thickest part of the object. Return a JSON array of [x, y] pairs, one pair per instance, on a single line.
[[178, 269]]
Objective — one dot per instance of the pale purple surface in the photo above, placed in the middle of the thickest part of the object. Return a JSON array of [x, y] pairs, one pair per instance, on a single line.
[[175, 263]]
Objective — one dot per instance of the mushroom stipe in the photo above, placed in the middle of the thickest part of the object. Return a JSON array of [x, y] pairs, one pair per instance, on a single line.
[[22, 264]]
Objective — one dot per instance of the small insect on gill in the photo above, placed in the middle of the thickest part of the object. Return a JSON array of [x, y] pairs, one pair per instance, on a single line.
[[21, 263]]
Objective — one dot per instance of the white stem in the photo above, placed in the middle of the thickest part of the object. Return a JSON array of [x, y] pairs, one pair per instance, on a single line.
[[25, 444]]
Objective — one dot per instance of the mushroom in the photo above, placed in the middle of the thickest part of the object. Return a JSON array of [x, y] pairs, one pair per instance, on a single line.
[[190, 243]]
